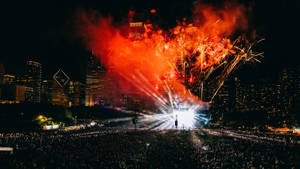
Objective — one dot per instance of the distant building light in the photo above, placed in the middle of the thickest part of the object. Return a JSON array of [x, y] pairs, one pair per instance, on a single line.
[[9, 76], [33, 63], [7, 149], [93, 123], [136, 24], [8, 101], [51, 127], [153, 11]]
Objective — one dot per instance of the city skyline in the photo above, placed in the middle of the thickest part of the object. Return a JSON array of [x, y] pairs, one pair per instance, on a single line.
[[93, 90]]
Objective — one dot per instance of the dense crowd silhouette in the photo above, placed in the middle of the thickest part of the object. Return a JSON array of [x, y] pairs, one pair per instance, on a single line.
[[138, 148]]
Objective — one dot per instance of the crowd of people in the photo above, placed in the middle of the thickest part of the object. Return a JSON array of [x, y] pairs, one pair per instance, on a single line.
[[137, 148], [229, 152]]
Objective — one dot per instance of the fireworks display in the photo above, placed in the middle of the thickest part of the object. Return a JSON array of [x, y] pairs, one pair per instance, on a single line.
[[180, 69]]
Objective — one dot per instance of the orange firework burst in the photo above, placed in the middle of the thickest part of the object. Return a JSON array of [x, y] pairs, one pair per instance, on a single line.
[[181, 61]]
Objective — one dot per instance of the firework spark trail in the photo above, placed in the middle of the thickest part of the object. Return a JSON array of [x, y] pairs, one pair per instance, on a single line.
[[145, 86], [170, 66]]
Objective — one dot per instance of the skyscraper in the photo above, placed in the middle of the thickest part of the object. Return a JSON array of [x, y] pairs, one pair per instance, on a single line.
[[289, 83], [136, 25], [7, 85], [75, 92], [46, 90], [94, 70], [58, 95], [33, 77], [239, 95]]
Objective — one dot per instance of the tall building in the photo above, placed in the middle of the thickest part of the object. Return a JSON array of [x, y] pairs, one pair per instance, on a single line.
[[33, 77], [13, 89], [94, 71], [8, 79], [29, 94], [289, 86], [20, 93], [136, 25], [8, 88], [46, 91], [58, 95], [75, 92], [239, 95]]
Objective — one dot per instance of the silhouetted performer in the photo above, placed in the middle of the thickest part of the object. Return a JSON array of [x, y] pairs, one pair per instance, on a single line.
[[134, 121], [176, 122]]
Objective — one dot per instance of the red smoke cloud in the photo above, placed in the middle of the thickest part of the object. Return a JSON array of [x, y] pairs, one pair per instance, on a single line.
[[151, 62]]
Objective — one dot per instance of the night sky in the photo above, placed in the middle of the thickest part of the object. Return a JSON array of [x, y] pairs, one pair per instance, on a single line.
[[45, 30]]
